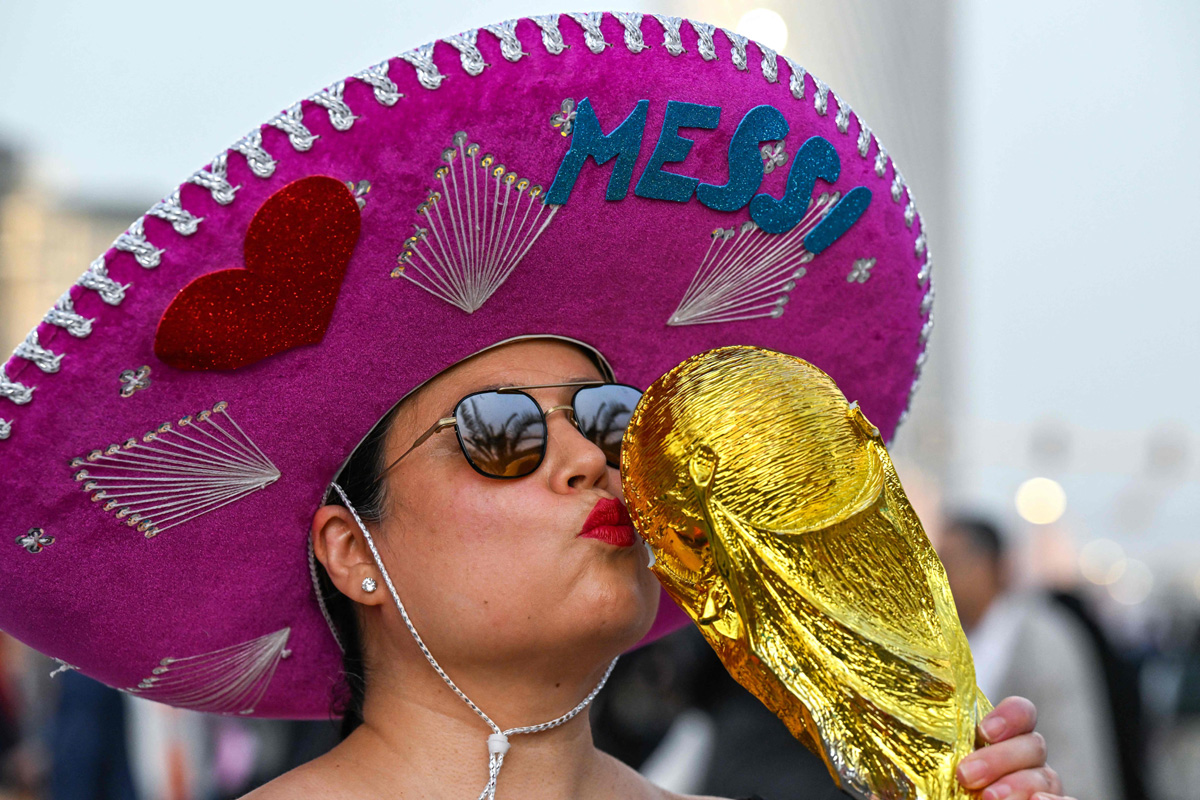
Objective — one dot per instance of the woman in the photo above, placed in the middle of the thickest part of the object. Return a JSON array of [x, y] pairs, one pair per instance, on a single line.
[[291, 291], [508, 548]]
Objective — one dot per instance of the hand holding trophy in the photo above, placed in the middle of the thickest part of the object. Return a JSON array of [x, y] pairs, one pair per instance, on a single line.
[[779, 525]]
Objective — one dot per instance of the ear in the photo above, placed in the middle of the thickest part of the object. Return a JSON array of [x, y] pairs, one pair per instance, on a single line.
[[339, 544]]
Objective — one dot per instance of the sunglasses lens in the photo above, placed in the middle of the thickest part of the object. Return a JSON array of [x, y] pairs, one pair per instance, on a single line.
[[503, 435], [603, 414]]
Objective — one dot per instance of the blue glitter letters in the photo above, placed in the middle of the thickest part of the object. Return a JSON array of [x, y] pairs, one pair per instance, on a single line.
[[839, 220], [588, 140], [761, 124], [660, 185], [816, 158]]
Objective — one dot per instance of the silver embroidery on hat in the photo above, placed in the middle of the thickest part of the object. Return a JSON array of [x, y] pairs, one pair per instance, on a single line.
[[171, 210], [214, 179], [704, 39], [632, 21], [63, 315], [31, 350], [422, 60], [177, 472], [860, 271], [593, 37], [96, 278], [15, 391], [737, 49], [774, 155], [340, 115], [35, 540], [671, 36], [468, 54], [551, 36], [258, 159], [134, 241], [360, 191], [386, 92], [475, 229], [748, 274], [231, 680], [795, 78], [291, 122], [134, 380], [564, 118], [510, 45]]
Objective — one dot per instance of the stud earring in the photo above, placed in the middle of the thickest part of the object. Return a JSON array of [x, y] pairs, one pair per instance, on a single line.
[[368, 585]]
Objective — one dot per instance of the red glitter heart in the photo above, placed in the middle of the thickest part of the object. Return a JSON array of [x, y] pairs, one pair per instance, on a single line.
[[296, 251]]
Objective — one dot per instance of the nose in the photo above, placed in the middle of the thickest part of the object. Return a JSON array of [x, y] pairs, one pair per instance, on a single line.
[[575, 462]]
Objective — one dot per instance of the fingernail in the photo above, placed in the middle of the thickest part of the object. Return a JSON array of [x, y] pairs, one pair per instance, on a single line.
[[969, 772], [997, 792], [993, 727]]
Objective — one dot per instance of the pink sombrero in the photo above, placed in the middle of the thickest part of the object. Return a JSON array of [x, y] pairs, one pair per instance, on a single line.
[[648, 186]]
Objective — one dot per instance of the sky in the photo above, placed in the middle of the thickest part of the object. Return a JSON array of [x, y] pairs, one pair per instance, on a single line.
[[1076, 129]]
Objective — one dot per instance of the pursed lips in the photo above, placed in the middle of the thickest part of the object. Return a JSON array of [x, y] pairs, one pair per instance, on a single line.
[[609, 522]]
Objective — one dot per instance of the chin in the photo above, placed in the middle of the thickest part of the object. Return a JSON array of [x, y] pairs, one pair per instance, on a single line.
[[617, 612]]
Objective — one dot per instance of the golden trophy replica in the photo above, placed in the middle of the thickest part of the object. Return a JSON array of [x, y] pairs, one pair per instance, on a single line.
[[778, 523]]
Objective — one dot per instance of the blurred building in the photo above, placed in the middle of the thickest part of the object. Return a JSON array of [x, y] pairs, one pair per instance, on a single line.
[[46, 243]]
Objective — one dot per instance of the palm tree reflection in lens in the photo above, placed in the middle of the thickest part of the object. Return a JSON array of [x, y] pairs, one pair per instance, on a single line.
[[503, 435], [603, 414]]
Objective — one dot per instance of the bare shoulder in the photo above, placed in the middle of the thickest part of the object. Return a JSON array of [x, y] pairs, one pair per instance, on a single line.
[[319, 777], [628, 783]]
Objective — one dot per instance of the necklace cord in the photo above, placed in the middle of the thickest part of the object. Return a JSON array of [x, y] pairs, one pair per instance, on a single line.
[[498, 743]]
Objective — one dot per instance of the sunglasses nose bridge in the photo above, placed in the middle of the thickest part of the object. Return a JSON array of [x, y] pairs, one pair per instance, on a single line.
[[567, 410]]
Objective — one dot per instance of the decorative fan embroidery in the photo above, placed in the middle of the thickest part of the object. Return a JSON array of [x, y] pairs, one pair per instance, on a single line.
[[746, 273], [476, 229], [176, 473], [227, 681]]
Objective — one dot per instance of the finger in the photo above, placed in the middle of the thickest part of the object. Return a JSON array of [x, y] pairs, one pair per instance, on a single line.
[[1023, 785], [990, 764], [1045, 796], [1012, 717]]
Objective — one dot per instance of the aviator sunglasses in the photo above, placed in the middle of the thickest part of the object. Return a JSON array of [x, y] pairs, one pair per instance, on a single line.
[[502, 432]]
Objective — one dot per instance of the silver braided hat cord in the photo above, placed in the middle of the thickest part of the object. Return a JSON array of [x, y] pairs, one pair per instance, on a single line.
[[498, 741]]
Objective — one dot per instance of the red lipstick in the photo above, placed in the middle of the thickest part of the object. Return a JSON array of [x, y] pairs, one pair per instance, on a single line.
[[609, 522]]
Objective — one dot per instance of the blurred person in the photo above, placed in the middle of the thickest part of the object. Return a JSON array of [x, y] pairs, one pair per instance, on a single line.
[[460, 435], [89, 759], [1025, 644]]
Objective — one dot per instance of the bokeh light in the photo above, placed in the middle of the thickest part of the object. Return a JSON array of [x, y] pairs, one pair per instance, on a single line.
[[1134, 585], [765, 26], [1041, 501], [1102, 561]]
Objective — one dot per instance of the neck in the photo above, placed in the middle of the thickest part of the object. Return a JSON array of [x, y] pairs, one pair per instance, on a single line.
[[417, 734]]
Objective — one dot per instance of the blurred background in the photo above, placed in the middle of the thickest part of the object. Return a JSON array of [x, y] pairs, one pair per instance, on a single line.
[[1052, 450]]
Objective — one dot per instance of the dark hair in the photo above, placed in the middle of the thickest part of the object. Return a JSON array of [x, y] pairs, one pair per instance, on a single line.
[[360, 480], [982, 534]]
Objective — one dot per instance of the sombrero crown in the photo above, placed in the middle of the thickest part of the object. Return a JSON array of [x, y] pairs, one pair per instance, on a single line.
[[648, 186]]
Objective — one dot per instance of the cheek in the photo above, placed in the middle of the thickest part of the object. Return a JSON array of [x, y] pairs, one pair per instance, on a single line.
[[471, 543]]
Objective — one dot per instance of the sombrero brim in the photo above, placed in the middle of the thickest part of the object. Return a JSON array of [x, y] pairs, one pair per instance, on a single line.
[[300, 308]]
